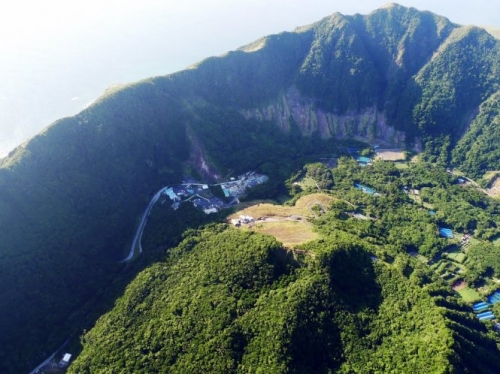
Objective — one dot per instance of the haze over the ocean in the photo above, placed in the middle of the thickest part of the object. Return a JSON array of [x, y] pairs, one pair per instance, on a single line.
[[59, 55]]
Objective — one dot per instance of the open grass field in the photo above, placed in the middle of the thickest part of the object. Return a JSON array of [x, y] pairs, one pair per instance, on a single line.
[[458, 173], [275, 220], [390, 154], [469, 295], [401, 165], [307, 182], [474, 241], [302, 207], [290, 233], [457, 257]]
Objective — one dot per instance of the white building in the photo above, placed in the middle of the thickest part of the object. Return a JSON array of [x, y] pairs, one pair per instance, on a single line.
[[65, 360]]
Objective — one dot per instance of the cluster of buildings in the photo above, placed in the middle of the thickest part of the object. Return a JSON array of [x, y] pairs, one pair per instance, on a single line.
[[198, 194], [202, 197], [483, 312], [237, 187], [408, 190], [208, 205], [465, 241]]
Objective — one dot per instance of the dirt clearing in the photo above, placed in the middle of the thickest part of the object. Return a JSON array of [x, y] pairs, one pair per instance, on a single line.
[[391, 154], [288, 232], [494, 190], [288, 224]]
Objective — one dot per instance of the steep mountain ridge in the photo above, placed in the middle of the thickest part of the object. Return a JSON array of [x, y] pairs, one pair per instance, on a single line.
[[69, 197], [494, 31]]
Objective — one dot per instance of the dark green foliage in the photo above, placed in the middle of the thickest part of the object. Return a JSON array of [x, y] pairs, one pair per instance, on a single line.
[[478, 150], [235, 302], [189, 305], [336, 70], [166, 226], [70, 197], [399, 221], [68, 209], [456, 81], [321, 175], [484, 259]]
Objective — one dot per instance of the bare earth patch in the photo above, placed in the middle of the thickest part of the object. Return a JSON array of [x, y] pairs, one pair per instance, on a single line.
[[494, 190], [288, 224], [390, 154], [459, 285]]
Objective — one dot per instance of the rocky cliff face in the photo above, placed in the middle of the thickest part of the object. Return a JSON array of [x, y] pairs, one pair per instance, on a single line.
[[368, 125]]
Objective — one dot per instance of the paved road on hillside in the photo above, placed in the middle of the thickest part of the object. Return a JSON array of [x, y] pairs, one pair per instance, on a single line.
[[136, 243], [49, 359]]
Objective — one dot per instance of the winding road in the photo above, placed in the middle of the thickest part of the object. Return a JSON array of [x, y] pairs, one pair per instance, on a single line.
[[136, 243], [50, 358]]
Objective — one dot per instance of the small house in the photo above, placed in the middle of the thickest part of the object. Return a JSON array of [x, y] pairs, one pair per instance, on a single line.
[[65, 360]]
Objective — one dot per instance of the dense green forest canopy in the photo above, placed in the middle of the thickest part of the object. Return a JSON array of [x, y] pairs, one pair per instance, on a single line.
[[354, 300], [233, 301], [71, 196]]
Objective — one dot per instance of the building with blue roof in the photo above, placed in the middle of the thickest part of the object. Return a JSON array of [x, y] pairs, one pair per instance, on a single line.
[[366, 189], [447, 233]]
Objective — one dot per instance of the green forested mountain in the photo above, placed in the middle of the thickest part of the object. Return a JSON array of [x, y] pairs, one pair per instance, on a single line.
[[227, 301], [71, 196], [478, 149], [353, 301]]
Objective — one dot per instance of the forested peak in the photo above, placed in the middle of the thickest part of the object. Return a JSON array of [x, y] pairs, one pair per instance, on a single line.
[[397, 14], [407, 35]]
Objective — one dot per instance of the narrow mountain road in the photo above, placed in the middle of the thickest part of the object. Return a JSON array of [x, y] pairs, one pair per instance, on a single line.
[[136, 243], [485, 191], [50, 358]]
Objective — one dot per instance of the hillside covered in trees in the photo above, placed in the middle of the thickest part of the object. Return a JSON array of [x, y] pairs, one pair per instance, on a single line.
[[352, 301], [70, 197]]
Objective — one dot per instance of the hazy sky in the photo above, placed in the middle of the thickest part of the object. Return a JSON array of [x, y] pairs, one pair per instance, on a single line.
[[59, 55]]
